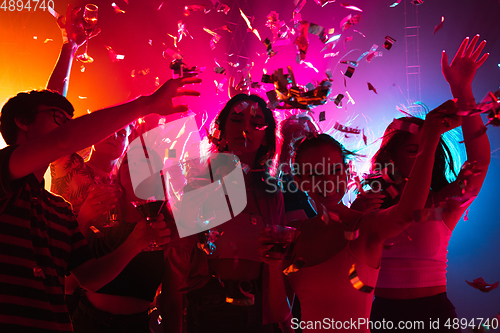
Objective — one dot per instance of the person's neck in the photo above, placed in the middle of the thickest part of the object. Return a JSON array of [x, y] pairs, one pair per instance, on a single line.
[[247, 158], [102, 162]]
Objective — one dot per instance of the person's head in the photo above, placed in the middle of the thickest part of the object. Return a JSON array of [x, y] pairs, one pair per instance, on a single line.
[[400, 146], [30, 115], [320, 168], [248, 127], [114, 145], [291, 129]]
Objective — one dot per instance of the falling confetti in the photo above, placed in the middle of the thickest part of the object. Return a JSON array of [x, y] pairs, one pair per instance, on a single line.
[[395, 4], [112, 54], [439, 26], [349, 21], [346, 6], [356, 282], [371, 87], [346, 129], [117, 9], [388, 42], [255, 32], [481, 285]]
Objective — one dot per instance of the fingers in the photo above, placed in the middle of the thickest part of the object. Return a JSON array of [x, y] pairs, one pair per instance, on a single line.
[[189, 80], [471, 46], [444, 61], [461, 49], [482, 60], [478, 51], [187, 92]]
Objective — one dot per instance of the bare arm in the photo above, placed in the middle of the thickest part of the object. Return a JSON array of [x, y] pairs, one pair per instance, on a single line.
[[73, 136], [390, 222], [96, 273], [460, 75], [73, 36]]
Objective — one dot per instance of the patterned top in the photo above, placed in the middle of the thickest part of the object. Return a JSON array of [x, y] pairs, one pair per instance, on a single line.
[[72, 178], [40, 243]]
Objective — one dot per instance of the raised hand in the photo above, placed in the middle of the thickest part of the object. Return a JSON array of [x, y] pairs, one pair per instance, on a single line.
[[161, 100], [100, 200], [71, 26], [142, 232], [460, 73], [368, 201]]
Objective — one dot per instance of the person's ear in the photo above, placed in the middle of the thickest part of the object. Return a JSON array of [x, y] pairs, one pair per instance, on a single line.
[[21, 124]]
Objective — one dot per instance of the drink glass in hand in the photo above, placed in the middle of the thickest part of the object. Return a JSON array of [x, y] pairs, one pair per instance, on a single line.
[[280, 237], [150, 209], [90, 17]]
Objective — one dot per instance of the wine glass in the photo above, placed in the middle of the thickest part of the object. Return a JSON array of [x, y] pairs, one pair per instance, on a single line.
[[150, 209], [90, 17], [280, 237]]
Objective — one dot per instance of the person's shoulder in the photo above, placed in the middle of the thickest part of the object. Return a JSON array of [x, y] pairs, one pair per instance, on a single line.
[[69, 161]]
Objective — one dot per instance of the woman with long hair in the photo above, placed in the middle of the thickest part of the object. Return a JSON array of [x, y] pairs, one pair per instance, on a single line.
[[336, 257], [224, 278], [412, 279]]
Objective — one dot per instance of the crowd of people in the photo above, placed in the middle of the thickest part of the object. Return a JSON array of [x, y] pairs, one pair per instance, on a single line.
[[74, 258]]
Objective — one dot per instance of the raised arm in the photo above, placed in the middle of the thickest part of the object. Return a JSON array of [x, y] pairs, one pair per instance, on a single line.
[[390, 222], [460, 75], [37, 153], [73, 36]]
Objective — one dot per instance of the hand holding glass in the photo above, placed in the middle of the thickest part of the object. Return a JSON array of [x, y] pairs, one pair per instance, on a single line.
[[90, 17]]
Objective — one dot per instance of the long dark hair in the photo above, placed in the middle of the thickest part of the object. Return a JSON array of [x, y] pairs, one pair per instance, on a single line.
[[394, 139], [270, 132]]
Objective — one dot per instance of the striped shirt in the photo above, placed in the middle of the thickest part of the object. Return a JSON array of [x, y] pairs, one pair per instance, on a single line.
[[40, 243]]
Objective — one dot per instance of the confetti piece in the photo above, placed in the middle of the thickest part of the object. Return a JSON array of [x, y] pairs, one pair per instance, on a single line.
[[82, 68], [322, 116], [331, 55], [346, 6], [371, 87], [117, 9], [466, 217], [220, 70], [82, 97], [417, 2], [35, 37], [302, 42], [349, 72], [346, 129], [193, 8], [338, 99], [365, 139], [356, 282], [481, 285], [53, 12], [220, 7], [359, 32], [347, 39], [388, 42], [309, 65], [112, 54], [349, 21], [142, 72], [395, 4], [439, 26], [48, 40], [323, 3], [159, 7], [249, 25], [297, 264]]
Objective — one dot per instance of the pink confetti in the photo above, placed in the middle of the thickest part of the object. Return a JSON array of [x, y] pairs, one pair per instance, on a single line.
[[371, 87], [481, 285], [159, 7], [112, 54], [349, 21], [346, 6], [439, 26]]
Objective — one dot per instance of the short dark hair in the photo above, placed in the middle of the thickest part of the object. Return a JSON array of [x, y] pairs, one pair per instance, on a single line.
[[24, 107], [394, 139]]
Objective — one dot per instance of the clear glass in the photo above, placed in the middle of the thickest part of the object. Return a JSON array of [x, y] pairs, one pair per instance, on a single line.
[[150, 209], [90, 17]]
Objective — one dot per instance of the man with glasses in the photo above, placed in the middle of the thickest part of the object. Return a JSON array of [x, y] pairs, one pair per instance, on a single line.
[[40, 242]]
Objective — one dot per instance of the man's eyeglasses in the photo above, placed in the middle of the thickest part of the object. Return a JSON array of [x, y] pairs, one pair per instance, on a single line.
[[59, 116]]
